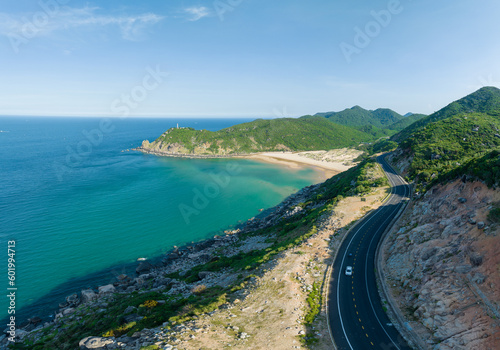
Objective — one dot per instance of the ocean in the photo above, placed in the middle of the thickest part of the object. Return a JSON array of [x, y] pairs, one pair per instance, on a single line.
[[82, 207]]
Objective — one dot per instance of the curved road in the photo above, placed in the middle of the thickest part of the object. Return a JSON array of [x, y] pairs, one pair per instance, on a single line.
[[356, 316]]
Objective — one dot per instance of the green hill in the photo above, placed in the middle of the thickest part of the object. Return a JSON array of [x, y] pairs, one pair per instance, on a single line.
[[378, 123], [442, 146], [359, 117], [285, 134], [406, 121], [485, 100]]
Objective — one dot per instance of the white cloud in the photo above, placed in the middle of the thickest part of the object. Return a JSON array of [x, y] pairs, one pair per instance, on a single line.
[[196, 13], [43, 23]]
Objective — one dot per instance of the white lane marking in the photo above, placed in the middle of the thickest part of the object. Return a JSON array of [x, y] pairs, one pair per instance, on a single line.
[[342, 266], [366, 263], [367, 288]]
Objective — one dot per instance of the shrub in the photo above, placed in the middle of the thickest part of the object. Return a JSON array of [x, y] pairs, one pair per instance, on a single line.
[[199, 289], [150, 304]]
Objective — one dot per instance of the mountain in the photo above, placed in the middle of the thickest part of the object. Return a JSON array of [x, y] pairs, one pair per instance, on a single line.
[[406, 121], [284, 134], [378, 123], [438, 147], [485, 100], [359, 117]]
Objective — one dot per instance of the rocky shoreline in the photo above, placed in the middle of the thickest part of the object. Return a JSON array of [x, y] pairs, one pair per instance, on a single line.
[[151, 277], [186, 155]]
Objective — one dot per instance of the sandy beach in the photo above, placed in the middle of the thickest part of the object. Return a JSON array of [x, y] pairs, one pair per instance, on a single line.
[[326, 163]]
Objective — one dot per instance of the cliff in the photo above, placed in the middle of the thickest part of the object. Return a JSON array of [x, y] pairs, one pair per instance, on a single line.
[[442, 266]]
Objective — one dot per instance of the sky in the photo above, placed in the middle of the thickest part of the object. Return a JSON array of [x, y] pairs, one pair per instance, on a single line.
[[243, 58]]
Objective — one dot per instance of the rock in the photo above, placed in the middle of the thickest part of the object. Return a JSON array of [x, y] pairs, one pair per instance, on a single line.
[[68, 311], [463, 268], [476, 259], [132, 318], [88, 295], [479, 278], [129, 309], [94, 343], [73, 299], [122, 277], [107, 289], [472, 221], [35, 320], [143, 267], [20, 334], [462, 200], [203, 274], [428, 253], [131, 289], [480, 225], [125, 339], [302, 332]]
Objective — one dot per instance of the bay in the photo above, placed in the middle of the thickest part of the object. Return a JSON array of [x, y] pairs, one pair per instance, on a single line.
[[82, 207]]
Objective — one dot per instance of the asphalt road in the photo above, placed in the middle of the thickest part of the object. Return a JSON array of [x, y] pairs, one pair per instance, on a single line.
[[356, 316]]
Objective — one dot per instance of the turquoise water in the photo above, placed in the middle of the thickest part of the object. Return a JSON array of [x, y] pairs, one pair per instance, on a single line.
[[78, 210]]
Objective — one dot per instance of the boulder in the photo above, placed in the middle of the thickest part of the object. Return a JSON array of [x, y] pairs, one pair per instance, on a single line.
[[480, 225], [429, 253], [88, 295], [463, 269], [144, 267], [98, 343], [129, 309], [131, 289], [73, 300], [132, 318], [462, 200], [107, 289], [123, 278], [476, 259], [479, 278], [20, 334], [68, 311], [203, 274]]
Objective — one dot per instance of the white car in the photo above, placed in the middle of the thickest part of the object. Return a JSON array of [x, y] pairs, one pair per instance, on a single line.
[[348, 271]]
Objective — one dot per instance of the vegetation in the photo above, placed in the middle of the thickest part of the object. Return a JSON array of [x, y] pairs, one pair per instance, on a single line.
[[461, 140], [494, 215], [378, 123], [286, 234], [302, 134], [485, 100], [486, 168], [357, 117], [407, 121], [444, 146], [381, 146], [313, 307]]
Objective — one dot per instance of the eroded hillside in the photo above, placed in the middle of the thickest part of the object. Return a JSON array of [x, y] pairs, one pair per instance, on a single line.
[[442, 265]]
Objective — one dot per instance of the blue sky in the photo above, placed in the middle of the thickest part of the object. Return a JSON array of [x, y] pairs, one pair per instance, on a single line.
[[252, 58]]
